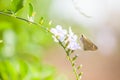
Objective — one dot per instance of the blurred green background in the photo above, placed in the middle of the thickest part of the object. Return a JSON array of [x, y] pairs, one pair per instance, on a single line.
[[24, 44]]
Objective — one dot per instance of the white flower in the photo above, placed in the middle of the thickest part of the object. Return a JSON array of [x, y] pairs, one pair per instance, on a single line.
[[72, 39], [59, 33], [62, 34], [73, 45]]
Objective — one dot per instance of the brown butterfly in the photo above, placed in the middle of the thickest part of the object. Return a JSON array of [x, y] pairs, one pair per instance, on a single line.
[[87, 44]]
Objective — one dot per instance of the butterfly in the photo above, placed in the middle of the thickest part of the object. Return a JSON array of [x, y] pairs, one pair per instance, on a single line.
[[88, 45]]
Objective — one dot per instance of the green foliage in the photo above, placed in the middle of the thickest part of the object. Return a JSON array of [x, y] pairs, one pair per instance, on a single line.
[[30, 9], [12, 69], [17, 5], [22, 48]]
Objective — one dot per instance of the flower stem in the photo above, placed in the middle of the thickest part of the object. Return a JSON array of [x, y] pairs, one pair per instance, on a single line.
[[73, 66], [67, 51], [71, 61], [23, 19]]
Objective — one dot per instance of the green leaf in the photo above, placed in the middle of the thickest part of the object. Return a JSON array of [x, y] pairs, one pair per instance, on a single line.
[[17, 5], [30, 9], [80, 75], [41, 20], [10, 70], [74, 58], [3, 74], [23, 68], [79, 67]]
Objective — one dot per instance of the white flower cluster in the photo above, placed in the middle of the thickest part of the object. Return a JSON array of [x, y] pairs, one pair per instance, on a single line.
[[68, 38]]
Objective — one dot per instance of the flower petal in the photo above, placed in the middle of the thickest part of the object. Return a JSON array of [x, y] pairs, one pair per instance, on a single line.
[[59, 33]]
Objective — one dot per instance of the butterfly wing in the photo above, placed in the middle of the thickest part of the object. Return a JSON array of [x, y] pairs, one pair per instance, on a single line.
[[87, 44]]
